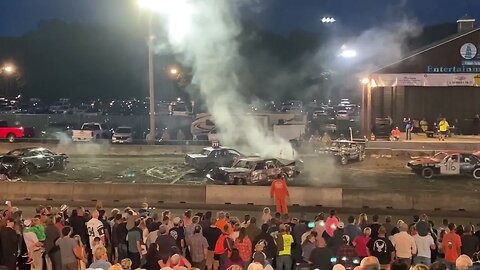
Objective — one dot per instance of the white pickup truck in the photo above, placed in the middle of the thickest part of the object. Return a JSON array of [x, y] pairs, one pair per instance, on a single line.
[[91, 132]]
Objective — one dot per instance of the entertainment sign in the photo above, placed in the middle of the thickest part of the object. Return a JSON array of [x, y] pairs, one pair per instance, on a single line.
[[470, 62], [426, 79]]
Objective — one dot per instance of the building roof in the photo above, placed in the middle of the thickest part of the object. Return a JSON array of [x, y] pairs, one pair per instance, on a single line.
[[428, 48]]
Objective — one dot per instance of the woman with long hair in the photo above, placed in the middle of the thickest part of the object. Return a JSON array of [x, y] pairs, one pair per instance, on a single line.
[[362, 221], [234, 260], [244, 246], [80, 253], [152, 257]]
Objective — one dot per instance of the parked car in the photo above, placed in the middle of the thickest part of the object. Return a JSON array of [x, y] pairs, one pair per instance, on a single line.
[[344, 150], [343, 115], [91, 132], [445, 163], [212, 157], [254, 170], [123, 135], [10, 109], [13, 133], [27, 161], [58, 131]]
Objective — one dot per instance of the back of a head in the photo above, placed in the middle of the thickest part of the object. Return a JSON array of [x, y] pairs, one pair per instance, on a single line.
[[100, 253], [398, 265], [175, 259], [463, 262], [388, 219], [436, 266], [253, 220], [419, 267], [351, 219], [338, 267], [403, 227], [451, 226], [375, 218], [265, 227], [370, 263], [115, 267]]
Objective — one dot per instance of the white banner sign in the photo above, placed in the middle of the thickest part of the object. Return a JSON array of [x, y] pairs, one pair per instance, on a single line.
[[427, 79]]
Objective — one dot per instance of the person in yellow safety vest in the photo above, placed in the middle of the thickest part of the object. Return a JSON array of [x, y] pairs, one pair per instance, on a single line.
[[443, 127]]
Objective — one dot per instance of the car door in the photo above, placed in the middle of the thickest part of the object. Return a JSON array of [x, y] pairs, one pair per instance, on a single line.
[[51, 160], [231, 156], [36, 158], [259, 173], [450, 165], [467, 163]]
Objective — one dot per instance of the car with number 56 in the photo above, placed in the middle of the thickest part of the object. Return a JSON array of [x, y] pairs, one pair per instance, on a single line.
[[28, 161], [447, 163]]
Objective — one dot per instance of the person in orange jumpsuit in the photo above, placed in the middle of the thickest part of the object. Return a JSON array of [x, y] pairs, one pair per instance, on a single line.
[[279, 189]]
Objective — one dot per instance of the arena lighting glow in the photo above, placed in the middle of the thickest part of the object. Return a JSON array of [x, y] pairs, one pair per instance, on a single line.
[[349, 53], [365, 80], [178, 12], [328, 20]]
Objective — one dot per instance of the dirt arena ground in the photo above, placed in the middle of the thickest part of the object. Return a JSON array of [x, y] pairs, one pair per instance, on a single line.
[[375, 172]]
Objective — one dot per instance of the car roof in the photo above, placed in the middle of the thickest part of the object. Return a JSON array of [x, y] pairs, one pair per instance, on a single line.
[[26, 149], [218, 148]]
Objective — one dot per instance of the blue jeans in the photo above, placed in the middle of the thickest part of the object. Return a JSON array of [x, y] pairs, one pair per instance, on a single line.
[[284, 262], [422, 260], [122, 252]]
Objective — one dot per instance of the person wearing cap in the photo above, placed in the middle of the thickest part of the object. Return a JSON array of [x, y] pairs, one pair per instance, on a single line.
[[425, 244], [346, 254], [9, 240], [198, 247], [178, 233], [165, 242]]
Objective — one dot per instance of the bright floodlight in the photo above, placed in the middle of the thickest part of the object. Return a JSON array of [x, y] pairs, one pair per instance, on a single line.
[[9, 69], [348, 53], [365, 80], [173, 71], [328, 20]]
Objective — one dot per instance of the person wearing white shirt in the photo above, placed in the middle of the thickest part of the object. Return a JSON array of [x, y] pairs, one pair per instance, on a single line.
[[425, 245], [404, 245], [95, 229]]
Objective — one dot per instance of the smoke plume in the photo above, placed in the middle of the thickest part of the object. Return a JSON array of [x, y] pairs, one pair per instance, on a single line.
[[204, 33]]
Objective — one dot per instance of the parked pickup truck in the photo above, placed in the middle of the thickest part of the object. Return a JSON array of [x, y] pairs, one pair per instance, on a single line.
[[12, 133], [91, 132]]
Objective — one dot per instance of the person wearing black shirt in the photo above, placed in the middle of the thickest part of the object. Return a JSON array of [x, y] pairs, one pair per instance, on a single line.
[[9, 241], [211, 233], [78, 222], [321, 258], [121, 236], [270, 247], [374, 226], [52, 251], [382, 248]]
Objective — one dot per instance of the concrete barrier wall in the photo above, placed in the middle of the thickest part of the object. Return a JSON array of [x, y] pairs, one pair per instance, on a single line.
[[82, 149], [133, 194]]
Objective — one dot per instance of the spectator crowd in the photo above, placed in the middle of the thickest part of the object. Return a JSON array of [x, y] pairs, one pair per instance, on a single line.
[[60, 239]]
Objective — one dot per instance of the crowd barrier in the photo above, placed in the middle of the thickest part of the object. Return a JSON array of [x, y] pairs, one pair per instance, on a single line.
[[134, 194]]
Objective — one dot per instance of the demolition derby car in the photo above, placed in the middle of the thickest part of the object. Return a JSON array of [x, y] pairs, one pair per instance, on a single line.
[[254, 170], [27, 161], [444, 163], [212, 157], [344, 150]]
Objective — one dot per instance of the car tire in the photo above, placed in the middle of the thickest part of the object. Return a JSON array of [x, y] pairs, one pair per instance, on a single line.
[[476, 173], [210, 166], [28, 169], [344, 160], [236, 181], [427, 173], [244, 182], [11, 137], [361, 157]]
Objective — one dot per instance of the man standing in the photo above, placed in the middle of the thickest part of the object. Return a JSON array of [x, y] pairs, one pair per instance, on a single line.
[[178, 233], [279, 190], [252, 229], [404, 245], [352, 230], [79, 225], [284, 259], [52, 252], [211, 233], [134, 240], [425, 245], [374, 226], [443, 127], [470, 243], [382, 248], [67, 245], [9, 241], [198, 246], [452, 245], [165, 242], [95, 229]]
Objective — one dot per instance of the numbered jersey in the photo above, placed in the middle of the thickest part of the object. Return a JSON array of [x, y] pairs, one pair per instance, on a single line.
[[95, 229]]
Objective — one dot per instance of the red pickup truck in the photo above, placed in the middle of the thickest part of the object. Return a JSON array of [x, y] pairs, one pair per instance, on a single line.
[[12, 133]]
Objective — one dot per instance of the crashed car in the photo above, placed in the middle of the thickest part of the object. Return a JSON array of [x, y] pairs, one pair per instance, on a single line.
[[444, 163], [254, 170], [344, 150], [212, 157], [27, 161]]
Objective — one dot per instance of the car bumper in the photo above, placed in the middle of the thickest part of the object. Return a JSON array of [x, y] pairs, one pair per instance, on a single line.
[[212, 180], [115, 140], [82, 139]]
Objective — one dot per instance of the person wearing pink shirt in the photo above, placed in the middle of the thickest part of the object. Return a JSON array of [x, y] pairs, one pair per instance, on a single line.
[[360, 243]]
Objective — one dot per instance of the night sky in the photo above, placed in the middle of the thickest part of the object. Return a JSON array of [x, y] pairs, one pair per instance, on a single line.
[[20, 16]]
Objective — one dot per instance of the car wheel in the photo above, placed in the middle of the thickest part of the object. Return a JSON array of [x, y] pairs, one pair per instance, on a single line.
[[28, 169], [244, 182], [236, 181], [210, 166], [476, 173], [344, 160], [361, 157], [11, 137], [427, 173], [97, 137]]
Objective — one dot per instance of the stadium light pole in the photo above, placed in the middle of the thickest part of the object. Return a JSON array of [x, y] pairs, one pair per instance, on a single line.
[[147, 4], [363, 110]]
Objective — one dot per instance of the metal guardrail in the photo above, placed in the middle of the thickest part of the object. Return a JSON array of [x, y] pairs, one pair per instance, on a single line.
[[106, 141]]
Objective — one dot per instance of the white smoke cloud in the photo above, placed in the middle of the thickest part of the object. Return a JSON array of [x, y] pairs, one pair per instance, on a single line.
[[204, 33]]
